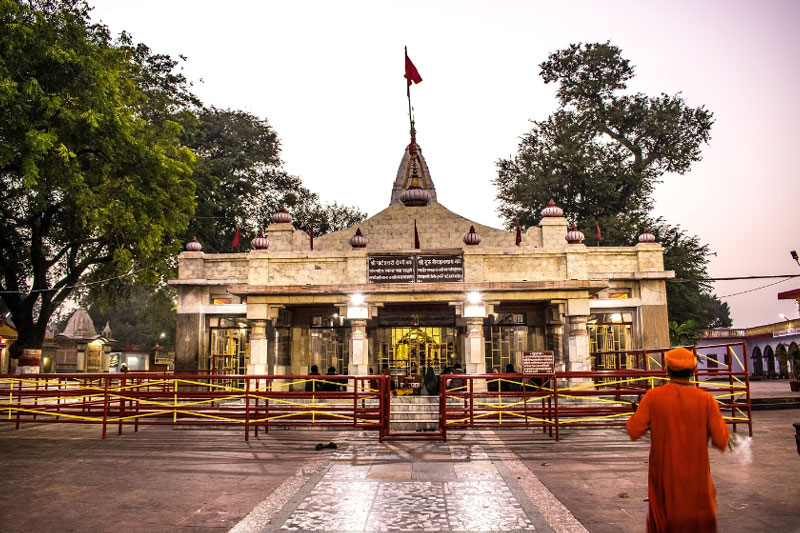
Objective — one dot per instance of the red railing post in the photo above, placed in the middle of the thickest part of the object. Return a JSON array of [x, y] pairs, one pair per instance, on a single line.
[[355, 400], [247, 409], [555, 401], [443, 407], [471, 402], [58, 398], [36, 398], [121, 390], [255, 429], [105, 406], [267, 388], [136, 419], [747, 386], [19, 399]]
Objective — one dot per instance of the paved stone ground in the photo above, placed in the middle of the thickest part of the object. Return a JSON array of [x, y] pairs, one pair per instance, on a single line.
[[461, 485], [601, 476], [65, 478]]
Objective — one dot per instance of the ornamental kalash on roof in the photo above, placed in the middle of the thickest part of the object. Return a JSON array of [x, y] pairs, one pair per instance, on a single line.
[[413, 185]]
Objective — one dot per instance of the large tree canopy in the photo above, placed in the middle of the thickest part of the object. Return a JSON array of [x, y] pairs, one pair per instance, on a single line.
[[241, 182], [599, 157], [95, 180]]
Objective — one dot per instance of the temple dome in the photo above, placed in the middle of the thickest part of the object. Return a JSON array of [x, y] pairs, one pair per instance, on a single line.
[[404, 173], [80, 325]]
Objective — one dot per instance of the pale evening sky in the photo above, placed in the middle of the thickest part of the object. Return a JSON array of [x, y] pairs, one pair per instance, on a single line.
[[328, 77]]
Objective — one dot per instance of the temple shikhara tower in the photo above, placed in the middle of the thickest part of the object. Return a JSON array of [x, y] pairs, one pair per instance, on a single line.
[[416, 285]]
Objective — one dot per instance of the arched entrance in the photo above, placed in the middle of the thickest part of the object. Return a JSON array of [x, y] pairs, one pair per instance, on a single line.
[[769, 355], [758, 362], [783, 361]]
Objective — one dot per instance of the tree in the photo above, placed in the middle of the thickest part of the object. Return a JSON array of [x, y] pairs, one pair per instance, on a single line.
[[599, 157], [145, 317], [241, 182], [95, 181]]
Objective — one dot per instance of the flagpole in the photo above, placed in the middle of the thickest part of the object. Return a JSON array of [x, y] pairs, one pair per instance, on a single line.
[[408, 94]]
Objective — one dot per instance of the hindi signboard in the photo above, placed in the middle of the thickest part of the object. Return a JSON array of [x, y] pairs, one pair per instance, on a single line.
[[440, 268], [431, 268], [538, 362], [390, 268]]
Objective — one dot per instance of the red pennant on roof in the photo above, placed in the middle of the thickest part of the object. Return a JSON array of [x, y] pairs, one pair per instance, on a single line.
[[599, 234], [412, 74], [518, 240], [235, 243]]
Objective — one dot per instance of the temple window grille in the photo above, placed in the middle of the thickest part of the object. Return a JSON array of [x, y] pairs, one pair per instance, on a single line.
[[506, 338], [229, 347], [609, 333]]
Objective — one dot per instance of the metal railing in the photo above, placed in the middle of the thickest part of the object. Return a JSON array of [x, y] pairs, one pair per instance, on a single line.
[[550, 402], [596, 398], [249, 402]]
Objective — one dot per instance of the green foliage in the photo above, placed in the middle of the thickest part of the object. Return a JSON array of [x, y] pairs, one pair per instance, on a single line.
[[684, 333], [139, 319], [241, 182], [599, 157], [689, 298], [96, 182]]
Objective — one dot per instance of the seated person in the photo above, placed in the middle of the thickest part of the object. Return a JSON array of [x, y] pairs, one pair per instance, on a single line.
[[311, 384], [508, 385]]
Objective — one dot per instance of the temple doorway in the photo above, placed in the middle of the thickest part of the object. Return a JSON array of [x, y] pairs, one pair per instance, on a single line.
[[410, 350]]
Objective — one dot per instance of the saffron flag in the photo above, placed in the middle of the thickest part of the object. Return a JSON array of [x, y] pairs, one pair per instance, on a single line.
[[416, 235], [599, 235], [412, 74], [235, 243], [518, 240]]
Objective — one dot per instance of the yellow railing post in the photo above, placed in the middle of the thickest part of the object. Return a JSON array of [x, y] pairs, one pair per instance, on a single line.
[[175, 401]]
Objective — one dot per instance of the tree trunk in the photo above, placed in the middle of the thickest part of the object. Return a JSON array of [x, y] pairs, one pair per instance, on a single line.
[[30, 361]]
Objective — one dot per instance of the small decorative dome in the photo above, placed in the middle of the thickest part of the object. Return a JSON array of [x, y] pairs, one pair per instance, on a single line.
[[358, 240], [260, 242], [193, 245], [282, 216], [574, 236], [647, 236], [415, 197], [552, 210], [472, 238]]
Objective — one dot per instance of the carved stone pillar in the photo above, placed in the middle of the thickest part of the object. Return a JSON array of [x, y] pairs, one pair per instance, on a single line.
[[359, 348], [577, 344], [258, 348], [475, 351]]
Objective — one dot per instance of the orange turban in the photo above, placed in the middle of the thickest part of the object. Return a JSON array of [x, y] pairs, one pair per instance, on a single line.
[[680, 359]]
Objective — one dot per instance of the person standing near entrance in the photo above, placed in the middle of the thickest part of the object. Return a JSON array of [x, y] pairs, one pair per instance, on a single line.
[[312, 384], [681, 419], [431, 382]]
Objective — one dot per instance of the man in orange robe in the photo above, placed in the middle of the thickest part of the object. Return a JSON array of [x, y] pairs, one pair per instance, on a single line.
[[681, 418]]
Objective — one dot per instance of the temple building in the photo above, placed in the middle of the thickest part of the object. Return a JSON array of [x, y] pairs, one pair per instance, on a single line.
[[416, 285]]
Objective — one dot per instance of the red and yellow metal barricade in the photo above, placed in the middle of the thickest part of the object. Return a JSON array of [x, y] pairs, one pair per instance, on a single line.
[[251, 402], [551, 402]]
